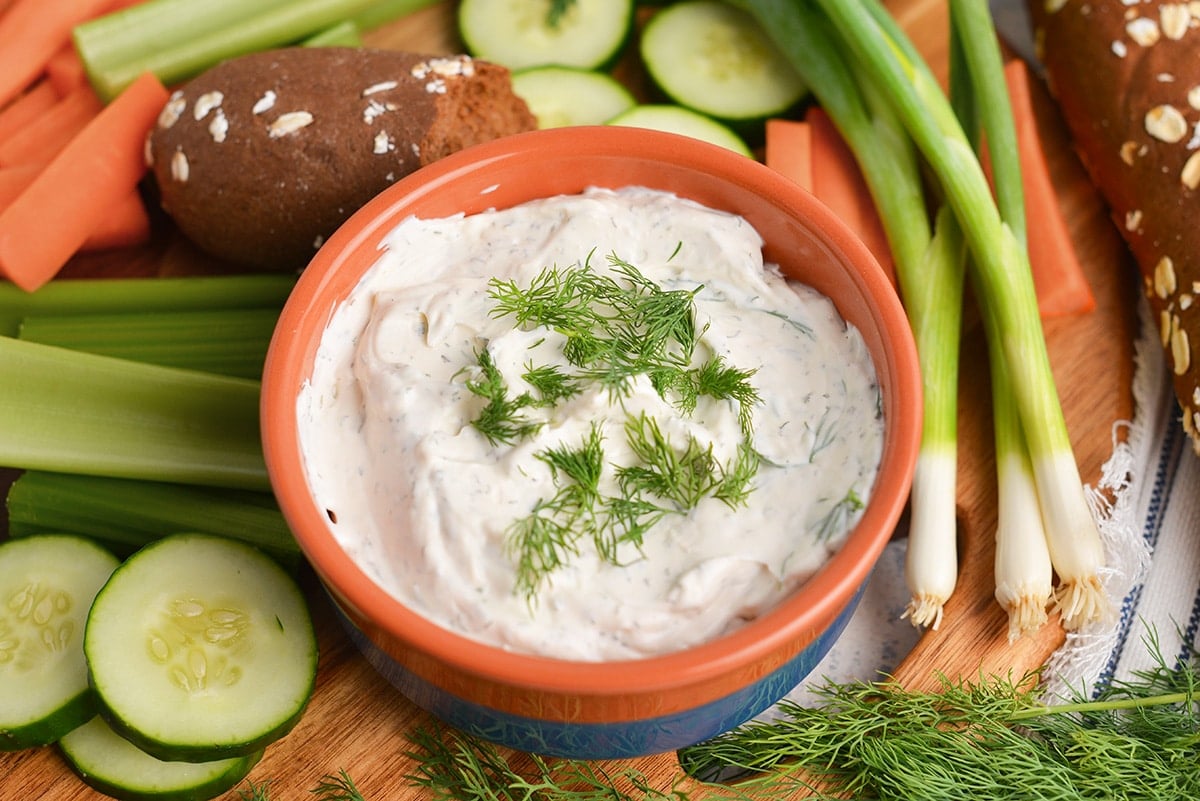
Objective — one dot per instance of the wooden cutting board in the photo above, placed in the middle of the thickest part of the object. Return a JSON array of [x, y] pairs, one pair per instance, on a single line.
[[358, 723]]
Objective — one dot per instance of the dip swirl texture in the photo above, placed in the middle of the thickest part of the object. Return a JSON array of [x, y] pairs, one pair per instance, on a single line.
[[426, 504]]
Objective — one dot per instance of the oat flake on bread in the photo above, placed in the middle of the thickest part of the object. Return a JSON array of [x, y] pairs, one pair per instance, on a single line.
[[259, 159], [1126, 76]]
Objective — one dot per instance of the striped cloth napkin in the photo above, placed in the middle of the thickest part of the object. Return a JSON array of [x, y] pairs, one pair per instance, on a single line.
[[1147, 505]]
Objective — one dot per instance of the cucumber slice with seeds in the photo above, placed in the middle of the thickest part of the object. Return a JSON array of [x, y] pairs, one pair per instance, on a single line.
[[716, 59], [526, 33], [201, 648], [680, 120], [47, 583], [114, 766], [562, 96]]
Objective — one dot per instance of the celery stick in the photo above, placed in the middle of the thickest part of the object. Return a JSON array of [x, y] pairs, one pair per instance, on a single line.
[[226, 341], [112, 295], [132, 513], [382, 12], [266, 26], [75, 412], [342, 34], [106, 42]]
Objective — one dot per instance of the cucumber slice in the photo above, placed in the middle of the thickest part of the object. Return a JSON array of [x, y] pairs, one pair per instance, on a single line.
[[680, 120], [114, 766], [526, 33], [47, 583], [201, 648], [562, 96], [716, 59]]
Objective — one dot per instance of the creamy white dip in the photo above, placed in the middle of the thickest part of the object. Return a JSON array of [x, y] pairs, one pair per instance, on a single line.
[[425, 504]]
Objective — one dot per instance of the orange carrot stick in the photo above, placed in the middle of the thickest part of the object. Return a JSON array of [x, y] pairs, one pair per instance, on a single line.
[[55, 215], [14, 180], [789, 150], [126, 224], [839, 183], [65, 69], [31, 31], [26, 108], [1062, 287], [45, 136]]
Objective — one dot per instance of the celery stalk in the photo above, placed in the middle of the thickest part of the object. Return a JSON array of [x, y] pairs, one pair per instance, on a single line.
[[341, 34], [115, 295], [382, 12], [129, 514], [73, 412], [226, 341], [1006, 287], [233, 29]]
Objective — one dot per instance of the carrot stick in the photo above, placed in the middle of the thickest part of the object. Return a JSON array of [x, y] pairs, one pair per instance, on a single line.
[[31, 32], [65, 69], [126, 224], [789, 150], [14, 180], [54, 216], [1062, 287], [45, 136], [40, 98]]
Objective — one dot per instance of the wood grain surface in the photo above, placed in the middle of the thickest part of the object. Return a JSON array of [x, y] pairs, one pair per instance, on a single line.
[[359, 723]]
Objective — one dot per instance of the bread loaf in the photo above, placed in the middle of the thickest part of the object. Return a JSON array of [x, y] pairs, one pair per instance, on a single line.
[[1126, 77], [261, 158]]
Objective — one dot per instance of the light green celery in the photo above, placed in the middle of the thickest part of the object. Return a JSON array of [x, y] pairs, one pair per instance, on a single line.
[[128, 514], [929, 266], [1005, 284], [226, 341], [238, 28], [1023, 575], [114, 295], [73, 412], [341, 34], [382, 12]]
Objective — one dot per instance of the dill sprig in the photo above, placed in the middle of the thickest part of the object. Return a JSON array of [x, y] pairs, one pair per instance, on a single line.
[[339, 787], [615, 327], [454, 766]]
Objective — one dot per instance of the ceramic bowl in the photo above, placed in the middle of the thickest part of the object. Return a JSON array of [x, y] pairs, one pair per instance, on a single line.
[[607, 709]]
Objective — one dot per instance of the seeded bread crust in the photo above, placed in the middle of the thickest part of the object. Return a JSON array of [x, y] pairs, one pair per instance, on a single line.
[[1126, 77], [259, 159]]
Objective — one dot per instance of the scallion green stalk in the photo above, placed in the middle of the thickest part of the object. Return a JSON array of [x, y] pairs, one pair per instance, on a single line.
[[341, 34], [229, 342], [930, 268], [127, 514], [120, 295], [72, 412], [1023, 574], [1006, 288], [382, 12]]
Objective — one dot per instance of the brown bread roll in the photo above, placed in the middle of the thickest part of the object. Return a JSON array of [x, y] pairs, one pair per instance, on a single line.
[[261, 158], [1126, 76]]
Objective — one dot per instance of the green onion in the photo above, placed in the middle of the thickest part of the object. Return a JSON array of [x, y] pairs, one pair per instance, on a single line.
[[227, 341], [382, 12], [113, 295], [1006, 290], [72, 412], [929, 266], [127, 514], [177, 39], [1023, 570]]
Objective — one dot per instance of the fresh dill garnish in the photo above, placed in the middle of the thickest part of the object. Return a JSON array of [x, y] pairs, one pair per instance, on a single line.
[[838, 516], [338, 787], [990, 738], [500, 420], [824, 435], [255, 791], [615, 327]]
